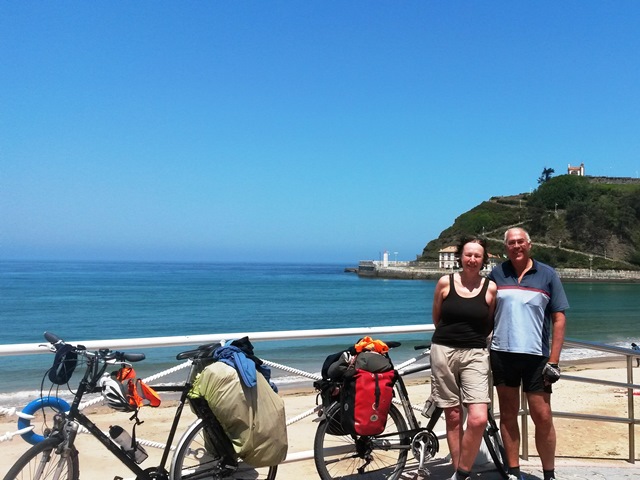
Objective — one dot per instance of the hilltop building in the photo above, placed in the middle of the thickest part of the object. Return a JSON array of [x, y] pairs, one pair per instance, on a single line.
[[576, 170]]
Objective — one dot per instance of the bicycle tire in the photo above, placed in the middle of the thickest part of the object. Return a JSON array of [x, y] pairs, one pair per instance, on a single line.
[[196, 458], [493, 440], [41, 462], [340, 456]]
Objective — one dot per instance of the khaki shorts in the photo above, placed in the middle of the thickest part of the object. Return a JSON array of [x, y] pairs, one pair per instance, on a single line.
[[459, 375]]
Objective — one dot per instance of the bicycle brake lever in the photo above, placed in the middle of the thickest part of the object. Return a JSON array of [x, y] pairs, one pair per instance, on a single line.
[[48, 346]]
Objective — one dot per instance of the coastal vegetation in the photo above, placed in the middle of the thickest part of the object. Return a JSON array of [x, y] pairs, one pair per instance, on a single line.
[[574, 221]]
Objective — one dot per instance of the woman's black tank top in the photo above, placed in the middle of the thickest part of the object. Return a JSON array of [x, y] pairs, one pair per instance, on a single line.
[[464, 322]]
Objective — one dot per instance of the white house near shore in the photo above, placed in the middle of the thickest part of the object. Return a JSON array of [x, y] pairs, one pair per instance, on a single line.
[[447, 259]]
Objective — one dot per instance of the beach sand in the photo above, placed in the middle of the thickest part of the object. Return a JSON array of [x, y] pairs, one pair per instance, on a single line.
[[577, 438]]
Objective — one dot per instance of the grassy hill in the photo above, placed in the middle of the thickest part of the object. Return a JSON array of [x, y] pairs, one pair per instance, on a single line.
[[570, 219]]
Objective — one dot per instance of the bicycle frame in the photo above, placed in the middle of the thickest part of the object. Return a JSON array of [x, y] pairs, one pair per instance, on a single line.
[[406, 403], [66, 424], [76, 417]]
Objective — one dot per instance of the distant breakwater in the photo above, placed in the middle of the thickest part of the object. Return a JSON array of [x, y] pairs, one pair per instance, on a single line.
[[413, 271]]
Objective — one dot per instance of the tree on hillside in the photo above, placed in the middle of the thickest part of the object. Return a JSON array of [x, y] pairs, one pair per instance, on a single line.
[[558, 192], [546, 175]]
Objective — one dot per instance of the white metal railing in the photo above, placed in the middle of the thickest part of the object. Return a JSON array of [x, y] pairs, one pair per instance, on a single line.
[[152, 342], [186, 340], [630, 419]]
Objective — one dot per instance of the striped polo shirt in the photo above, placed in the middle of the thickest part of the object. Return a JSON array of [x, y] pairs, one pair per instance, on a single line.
[[523, 310]]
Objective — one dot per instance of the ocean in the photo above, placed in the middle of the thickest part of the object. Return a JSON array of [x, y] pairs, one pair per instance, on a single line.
[[93, 301]]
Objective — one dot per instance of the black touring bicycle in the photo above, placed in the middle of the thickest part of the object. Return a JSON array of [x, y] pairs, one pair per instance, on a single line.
[[385, 456], [203, 452]]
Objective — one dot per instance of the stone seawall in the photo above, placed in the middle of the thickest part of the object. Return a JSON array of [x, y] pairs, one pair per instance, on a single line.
[[586, 275], [405, 273], [414, 272], [614, 180]]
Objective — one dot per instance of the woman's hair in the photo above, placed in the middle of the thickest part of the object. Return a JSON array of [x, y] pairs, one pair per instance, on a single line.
[[471, 239]]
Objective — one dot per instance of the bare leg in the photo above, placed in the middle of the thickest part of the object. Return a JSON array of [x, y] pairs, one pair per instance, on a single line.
[[540, 408], [472, 436], [453, 419], [509, 401]]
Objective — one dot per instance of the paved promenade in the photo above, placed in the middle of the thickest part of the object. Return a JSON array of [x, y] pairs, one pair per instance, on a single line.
[[440, 469]]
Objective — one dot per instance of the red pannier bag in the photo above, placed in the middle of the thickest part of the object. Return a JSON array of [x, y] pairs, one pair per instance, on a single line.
[[366, 399]]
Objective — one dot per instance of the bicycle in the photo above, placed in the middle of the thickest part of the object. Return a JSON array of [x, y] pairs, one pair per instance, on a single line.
[[203, 451], [384, 456]]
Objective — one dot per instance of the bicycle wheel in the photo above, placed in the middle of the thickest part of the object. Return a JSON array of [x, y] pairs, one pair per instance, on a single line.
[[196, 458], [41, 462], [494, 444], [365, 458]]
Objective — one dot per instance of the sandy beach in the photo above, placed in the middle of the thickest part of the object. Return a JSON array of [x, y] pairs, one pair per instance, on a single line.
[[577, 439]]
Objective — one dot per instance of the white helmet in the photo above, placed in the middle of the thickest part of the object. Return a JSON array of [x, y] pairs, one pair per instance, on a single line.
[[114, 394]]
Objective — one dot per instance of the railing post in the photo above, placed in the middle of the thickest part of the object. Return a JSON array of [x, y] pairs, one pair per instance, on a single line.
[[632, 428]]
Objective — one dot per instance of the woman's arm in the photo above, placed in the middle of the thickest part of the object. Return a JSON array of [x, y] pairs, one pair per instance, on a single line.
[[442, 290]]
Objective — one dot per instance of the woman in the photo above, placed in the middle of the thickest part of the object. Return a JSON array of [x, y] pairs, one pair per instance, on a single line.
[[463, 306]]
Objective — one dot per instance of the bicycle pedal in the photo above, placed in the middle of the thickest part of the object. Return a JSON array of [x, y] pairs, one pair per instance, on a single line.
[[424, 473]]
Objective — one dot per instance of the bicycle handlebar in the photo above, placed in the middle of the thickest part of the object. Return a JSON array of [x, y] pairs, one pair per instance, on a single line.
[[57, 342]]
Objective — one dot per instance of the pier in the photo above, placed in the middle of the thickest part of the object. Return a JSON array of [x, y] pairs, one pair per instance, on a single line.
[[430, 271]]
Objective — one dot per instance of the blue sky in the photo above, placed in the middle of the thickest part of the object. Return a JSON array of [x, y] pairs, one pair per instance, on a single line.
[[297, 130]]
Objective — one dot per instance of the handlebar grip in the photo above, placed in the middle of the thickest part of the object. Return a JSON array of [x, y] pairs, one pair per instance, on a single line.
[[134, 357], [52, 338]]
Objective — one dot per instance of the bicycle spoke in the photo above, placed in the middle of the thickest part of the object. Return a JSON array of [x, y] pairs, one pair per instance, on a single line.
[[41, 462], [364, 458], [196, 458]]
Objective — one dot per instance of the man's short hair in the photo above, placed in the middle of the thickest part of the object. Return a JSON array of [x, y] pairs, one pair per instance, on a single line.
[[526, 234]]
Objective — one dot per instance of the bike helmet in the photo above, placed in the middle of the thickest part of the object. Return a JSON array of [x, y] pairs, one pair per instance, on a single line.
[[114, 394]]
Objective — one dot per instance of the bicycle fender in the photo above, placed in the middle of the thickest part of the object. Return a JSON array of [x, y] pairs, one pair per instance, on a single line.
[[55, 403]]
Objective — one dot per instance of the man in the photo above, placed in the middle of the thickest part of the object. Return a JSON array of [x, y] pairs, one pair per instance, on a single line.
[[524, 349], [637, 348]]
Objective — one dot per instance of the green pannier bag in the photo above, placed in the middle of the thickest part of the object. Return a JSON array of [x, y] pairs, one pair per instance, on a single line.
[[253, 418]]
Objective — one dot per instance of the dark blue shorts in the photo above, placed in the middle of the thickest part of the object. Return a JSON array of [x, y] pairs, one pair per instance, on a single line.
[[515, 369]]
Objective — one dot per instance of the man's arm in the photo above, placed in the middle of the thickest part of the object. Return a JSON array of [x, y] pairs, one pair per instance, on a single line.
[[559, 321]]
